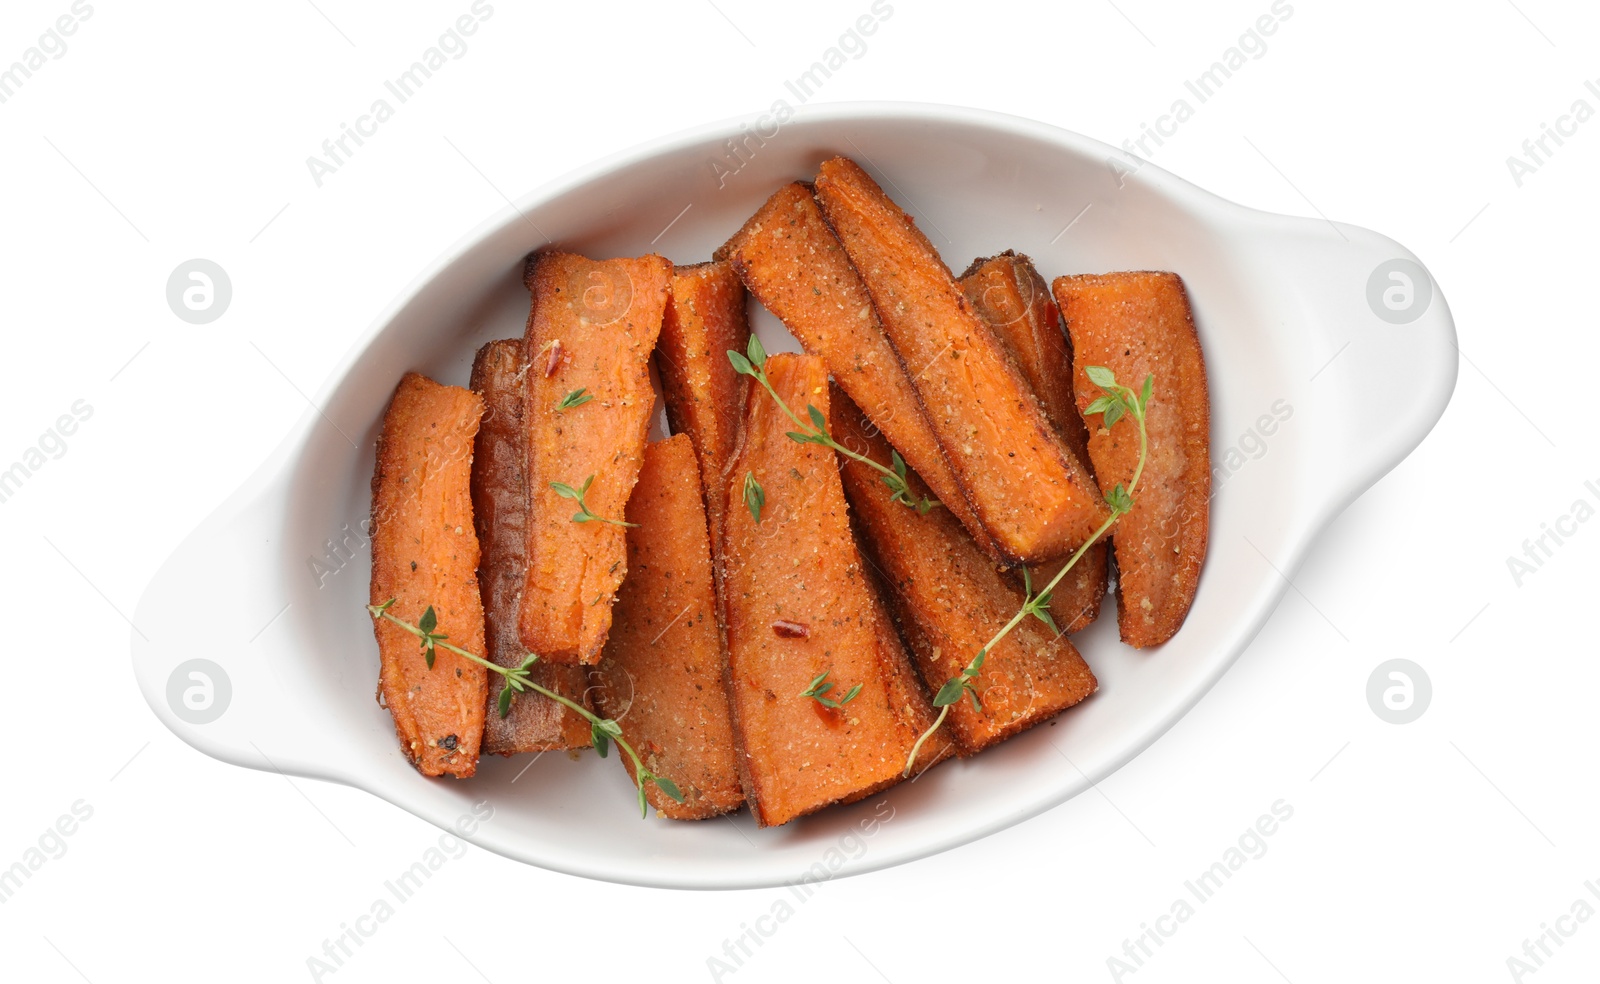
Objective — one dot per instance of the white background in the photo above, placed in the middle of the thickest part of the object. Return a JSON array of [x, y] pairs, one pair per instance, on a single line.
[[1428, 851]]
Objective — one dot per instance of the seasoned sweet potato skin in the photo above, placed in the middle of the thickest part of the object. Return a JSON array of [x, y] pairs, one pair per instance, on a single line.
[[950, 600], [1007, 292], [794, 265], [661, 675], [592, 327], [1032, 497], [797, 603], [500, 511], [705, 318], [1138, 324], [425, 552]]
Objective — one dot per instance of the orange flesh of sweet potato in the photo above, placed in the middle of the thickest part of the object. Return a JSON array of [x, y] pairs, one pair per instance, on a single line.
[[1008, 293], [1137, 324], [705, 318], [500, 510], [798, 603], [1032, 497], [425, 552], [793, 264], [661, 674], [950, 601], [592, 327]]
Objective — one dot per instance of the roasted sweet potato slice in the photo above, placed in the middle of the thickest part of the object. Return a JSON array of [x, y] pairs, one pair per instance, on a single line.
[[950, 600], [705, 318], [798, 604], [500, 511], [661, 673], [795, 267], [425, 552], [590, 334], [1008, 293], [1032, 497], [1139, 324]]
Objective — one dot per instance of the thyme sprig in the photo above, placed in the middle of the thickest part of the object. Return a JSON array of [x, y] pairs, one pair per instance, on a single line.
[[1115, 402], [583, 515], [818, 689], [518, 680], [753, 362]]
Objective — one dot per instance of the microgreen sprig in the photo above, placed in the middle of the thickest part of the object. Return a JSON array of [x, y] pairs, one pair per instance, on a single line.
[[583, 515], [1115, 402], [518, 680], [818, 689], [575, 398], [753, 362]]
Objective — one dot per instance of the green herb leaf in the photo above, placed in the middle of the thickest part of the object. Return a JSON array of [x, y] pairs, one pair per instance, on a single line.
[[1099, 404], [973, 693], [667, 786], [741, 365], [602, 741], [851, 694], [427, 652], [1119, 499], [429, 621], [566, 491], [576, 398], [754, 496], [758, 354], [1101, 376], [1113, 414], [1027, 582], [817, 419], [505, 699], [897, 464], [1149, 390], [950, 692]]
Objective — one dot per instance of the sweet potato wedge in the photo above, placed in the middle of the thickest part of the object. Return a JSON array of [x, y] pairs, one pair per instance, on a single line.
[[797, 603], [1138, 324], [795, 267], [1010, 296], [1030, 494], [705, 317], [661, 673], [425, 552], [500, 512], [592, 328], [950, 600]]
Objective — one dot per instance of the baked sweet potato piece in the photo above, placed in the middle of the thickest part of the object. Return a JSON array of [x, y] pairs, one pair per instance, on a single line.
[[590, 334], [705, 318], [1032, 497], [1138, 324], [950, 600], [793, 264], [796, 604], [425, 552], [500, 512], [661, 673], [1008, 294]]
